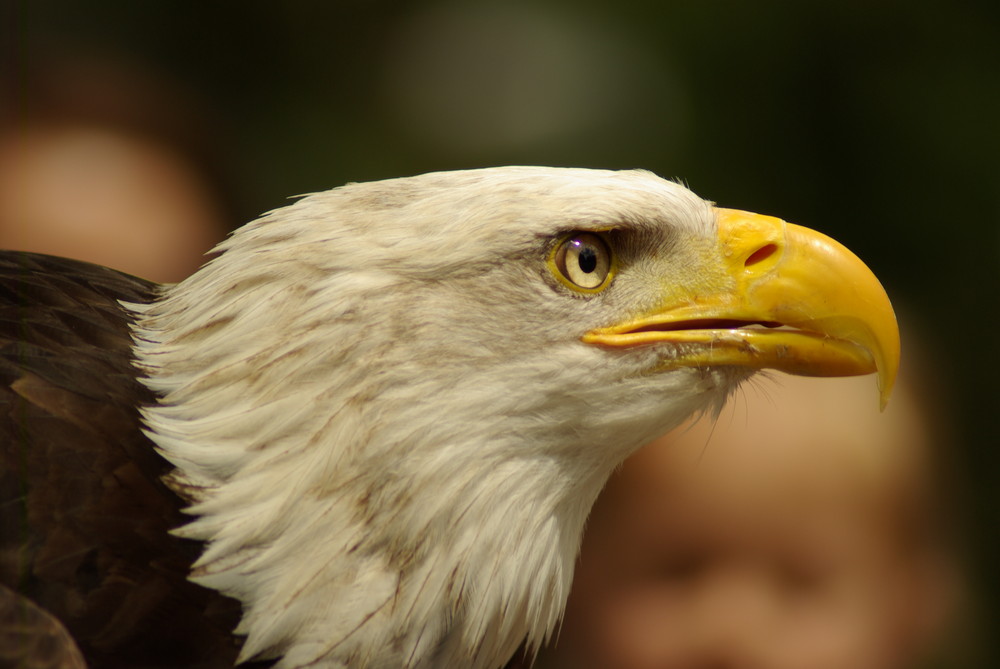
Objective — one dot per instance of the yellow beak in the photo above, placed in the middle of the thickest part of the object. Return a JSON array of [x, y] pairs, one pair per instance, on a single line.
[[792, 299]]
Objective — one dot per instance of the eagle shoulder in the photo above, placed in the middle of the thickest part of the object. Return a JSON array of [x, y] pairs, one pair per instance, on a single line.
[[84, 515]]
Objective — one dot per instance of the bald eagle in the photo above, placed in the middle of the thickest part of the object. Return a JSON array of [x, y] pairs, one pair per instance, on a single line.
[[369, 432]]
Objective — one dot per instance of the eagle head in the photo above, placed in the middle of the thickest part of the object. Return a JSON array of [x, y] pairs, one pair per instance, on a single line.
[[392, 404]]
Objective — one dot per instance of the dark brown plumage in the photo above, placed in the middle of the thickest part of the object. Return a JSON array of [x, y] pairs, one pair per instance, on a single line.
[[84, 516], [32, 638]]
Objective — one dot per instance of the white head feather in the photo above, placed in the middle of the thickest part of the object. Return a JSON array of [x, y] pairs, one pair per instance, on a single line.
[[378, 399]]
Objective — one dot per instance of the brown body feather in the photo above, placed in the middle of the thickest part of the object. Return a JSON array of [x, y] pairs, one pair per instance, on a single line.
[[84, 515]]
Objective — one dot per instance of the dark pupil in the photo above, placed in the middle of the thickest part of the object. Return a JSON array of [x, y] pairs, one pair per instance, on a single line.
[[587, 260]]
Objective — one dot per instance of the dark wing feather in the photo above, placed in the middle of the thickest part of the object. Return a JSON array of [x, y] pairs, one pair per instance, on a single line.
[[31, 638], [84, 515]]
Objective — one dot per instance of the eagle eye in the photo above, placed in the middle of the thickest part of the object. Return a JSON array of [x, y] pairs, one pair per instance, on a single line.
[[583, 261]]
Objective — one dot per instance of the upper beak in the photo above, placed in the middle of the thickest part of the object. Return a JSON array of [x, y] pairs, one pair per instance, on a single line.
[[834, 316]]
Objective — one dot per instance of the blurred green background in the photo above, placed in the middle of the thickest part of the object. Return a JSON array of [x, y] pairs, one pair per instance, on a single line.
[[877, 122]]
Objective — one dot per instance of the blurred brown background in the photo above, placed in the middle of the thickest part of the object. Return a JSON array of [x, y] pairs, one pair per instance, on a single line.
[[877, 122]]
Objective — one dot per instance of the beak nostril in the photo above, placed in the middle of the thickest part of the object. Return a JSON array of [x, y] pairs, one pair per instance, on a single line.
[[763, 253]]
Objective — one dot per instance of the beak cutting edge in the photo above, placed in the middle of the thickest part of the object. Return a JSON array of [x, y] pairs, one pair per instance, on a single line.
[[791, 299]]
